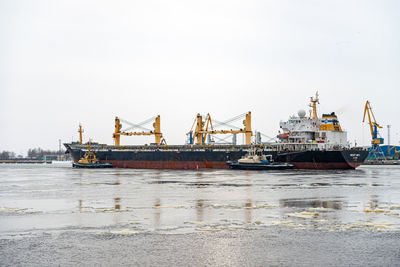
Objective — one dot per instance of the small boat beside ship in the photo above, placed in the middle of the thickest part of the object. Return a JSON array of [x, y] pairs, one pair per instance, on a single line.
[[89, 160], [257, 160]]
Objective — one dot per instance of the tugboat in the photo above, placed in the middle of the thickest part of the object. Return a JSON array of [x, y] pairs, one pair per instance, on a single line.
[[90, 160], [256, 160]]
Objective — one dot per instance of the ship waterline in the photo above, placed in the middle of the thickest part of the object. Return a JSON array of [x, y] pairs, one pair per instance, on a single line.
[[195, 157]]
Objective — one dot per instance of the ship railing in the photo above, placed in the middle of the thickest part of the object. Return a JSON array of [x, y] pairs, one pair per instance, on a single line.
[[266, 147], [101, 147], [296, 146], [275, 147]]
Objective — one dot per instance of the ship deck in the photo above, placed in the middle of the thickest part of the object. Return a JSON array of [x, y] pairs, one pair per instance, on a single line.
[[277, 147]]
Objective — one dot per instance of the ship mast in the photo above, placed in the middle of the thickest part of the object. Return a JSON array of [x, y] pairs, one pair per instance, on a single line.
[[80, 131], [313, 105]]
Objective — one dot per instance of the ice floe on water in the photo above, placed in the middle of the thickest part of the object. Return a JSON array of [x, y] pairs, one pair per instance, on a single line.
[[127, 202], [124, 232], [303, 214], [8, 210]]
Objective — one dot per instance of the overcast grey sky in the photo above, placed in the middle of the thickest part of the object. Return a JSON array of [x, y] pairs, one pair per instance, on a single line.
[[65, 62]]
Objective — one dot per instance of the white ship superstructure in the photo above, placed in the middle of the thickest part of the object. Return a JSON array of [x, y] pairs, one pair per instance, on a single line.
[[326, 132]]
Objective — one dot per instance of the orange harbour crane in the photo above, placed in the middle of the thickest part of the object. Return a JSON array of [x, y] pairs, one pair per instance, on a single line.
[[200, 132], [156, 132]]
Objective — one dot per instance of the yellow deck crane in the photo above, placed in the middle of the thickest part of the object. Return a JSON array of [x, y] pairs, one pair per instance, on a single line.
[[375, 151], [200, 132], [156, 132]]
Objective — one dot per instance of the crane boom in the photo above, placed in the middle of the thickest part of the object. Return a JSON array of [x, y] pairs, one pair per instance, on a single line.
[[200, 133], [208, 123], [156, 132]]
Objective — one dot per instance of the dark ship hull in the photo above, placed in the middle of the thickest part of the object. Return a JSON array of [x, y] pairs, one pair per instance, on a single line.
[[320, 160], [189, 157]]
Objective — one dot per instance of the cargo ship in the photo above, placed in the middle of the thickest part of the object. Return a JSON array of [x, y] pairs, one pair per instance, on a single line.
[[306, 142]]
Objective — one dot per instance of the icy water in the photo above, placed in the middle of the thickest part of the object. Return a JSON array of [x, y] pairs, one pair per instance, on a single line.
[[74, 209]]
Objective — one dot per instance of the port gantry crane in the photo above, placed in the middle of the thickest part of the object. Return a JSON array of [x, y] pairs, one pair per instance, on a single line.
[[376, 151], [200, 133], [145, 131]]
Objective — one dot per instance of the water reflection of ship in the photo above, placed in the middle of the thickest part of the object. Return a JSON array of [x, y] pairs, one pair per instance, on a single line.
[[248, 210], [199, 210], [373, 203], [200, 200], [157, 200], [117, 205], [203, 207], [157, 212], [157, 206], [248, 205], [117, 200], [311, 203]]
